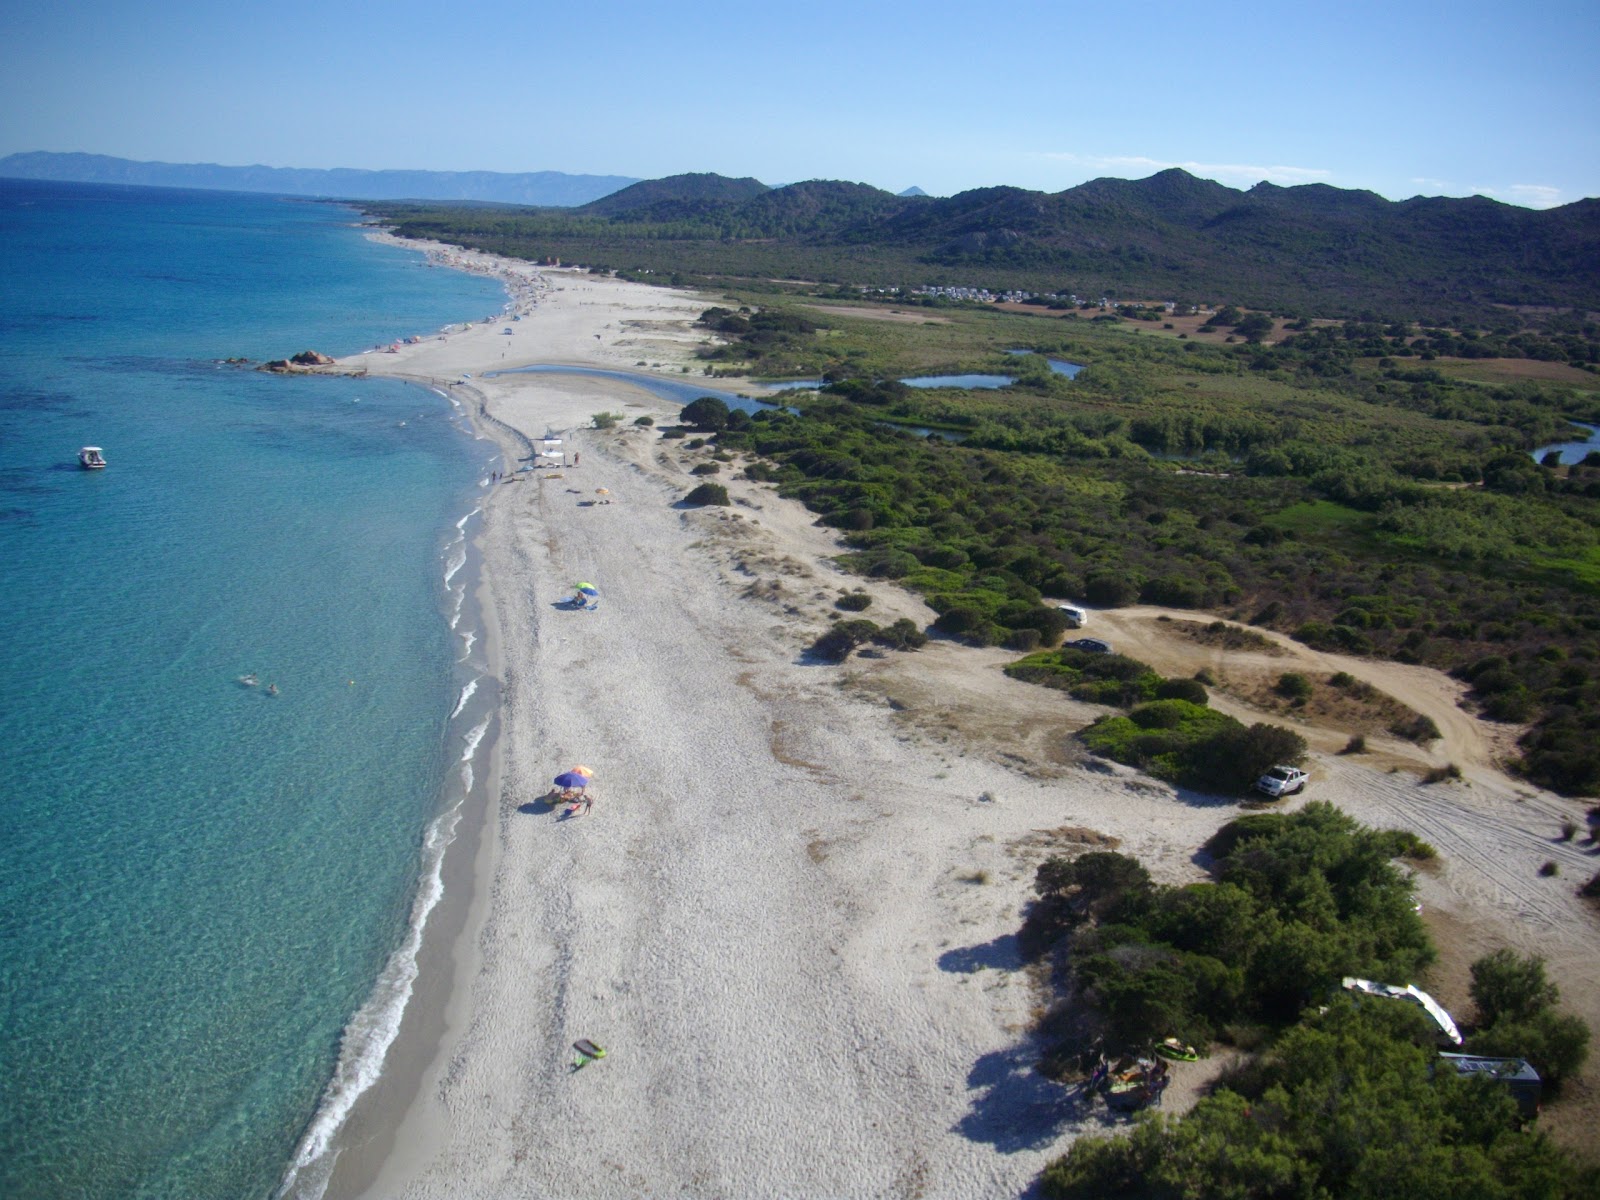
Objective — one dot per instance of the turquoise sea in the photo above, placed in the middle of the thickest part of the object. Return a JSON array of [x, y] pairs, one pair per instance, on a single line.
[[209, 895]]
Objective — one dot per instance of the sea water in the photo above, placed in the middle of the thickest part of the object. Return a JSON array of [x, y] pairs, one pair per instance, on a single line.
[[209, 894]]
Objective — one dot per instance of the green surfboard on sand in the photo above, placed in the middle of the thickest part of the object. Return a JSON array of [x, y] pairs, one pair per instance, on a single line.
[[588, 1052]]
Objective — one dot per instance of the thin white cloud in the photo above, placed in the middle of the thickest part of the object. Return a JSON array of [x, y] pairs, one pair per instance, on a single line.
[[1222, 172], [1534, 195], [1526, 195]]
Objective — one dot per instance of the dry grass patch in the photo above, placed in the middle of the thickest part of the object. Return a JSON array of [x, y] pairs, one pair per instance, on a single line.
[[879, 314], [1229, 637], [1340, 701]]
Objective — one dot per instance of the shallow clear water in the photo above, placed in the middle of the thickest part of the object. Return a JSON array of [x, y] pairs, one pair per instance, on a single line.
[[677, 391], [1059, 365], [201, 883], [959, 381]]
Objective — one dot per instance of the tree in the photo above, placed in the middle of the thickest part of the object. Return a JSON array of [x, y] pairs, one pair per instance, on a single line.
[[708, 493], [1507, 986], [1254, 327], [707, 412]]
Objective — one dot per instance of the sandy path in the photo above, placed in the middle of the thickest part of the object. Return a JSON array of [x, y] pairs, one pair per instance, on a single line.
[[790, 916], [1477, 746]]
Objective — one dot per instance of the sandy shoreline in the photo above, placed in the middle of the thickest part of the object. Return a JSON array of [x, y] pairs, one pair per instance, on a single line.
[[790, 916]]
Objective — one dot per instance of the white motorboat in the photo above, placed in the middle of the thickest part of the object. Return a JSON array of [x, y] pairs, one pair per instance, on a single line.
[[91, 459]]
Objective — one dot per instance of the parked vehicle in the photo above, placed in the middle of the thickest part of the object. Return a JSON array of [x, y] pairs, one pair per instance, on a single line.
[[1282, 780], [1092, 645], [1076, 615]]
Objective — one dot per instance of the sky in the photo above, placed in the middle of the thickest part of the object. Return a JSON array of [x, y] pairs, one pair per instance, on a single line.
[[1402, 98]]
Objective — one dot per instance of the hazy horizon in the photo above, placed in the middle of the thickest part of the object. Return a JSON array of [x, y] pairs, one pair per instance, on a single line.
[[1412, 99]]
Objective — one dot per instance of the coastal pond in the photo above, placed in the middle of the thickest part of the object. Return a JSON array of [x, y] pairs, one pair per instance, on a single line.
[[1059, 365], [683, 391], [1573, 452], [916, 381], [984, 382]]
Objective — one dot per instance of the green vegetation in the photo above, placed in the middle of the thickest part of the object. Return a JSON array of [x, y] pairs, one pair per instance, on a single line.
[[1348, 1104], [1300, 900], [1347, 1100], [1517, 1017], [844, 637], [1338, 485], [1349, 514], [1312, 249], [708, 493], [1194, 746]]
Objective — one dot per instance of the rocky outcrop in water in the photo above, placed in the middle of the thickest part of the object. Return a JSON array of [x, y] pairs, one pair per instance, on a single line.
[[303, 361]]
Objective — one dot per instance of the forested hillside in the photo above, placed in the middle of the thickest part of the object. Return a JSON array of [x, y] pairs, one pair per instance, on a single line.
[[1310, 249]]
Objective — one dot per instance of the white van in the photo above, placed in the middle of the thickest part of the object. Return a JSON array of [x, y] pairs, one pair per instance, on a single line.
[[1077, 616]]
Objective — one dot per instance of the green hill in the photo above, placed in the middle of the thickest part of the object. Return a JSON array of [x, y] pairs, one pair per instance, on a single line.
[[1309, 249]]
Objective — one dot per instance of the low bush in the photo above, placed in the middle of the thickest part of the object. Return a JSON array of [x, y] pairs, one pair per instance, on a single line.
[[709, 468], [1419, 729], [646, 421], [1294, 686], [902, 635], [837, 643], [708, 493], [854, 602], [1356, 745], [1349, 1103], [1517, 1017], [1191, 690]]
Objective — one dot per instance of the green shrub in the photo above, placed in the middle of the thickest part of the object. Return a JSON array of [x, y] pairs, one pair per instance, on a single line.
[[1419, 729], [709, 468], [645, 420], [708, 493], [1023, 640], [854, 602], [1555, 1043], [707, 412], [1294, 686], [836, 644], [1350, 1103], [1356, 745], [1191, 690], [604, 420], [902, 635], [1110, 589]]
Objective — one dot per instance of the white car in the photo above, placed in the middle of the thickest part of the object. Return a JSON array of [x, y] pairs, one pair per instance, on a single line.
[[1076, 615], [1282, 781]]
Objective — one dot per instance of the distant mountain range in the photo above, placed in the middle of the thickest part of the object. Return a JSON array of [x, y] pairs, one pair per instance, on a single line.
[[543, 188], [1172, 235]]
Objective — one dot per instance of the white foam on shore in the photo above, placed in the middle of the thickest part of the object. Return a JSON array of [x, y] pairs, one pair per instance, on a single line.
[[466, 694], [366, 1040], [460, 593], [462, 524], [473, 737], [457, 561], [469, 639]]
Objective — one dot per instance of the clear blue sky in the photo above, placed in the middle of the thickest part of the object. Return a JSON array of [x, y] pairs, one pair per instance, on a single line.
[[1403, 98]]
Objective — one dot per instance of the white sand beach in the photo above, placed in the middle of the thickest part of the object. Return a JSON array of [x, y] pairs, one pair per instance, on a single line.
[[790, 915]]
